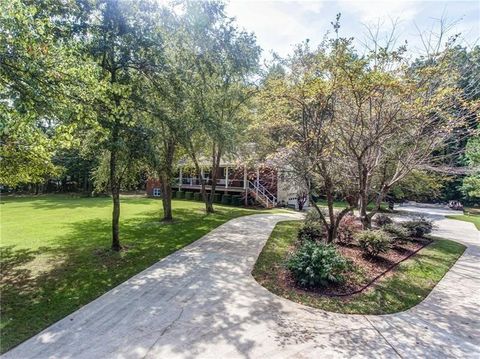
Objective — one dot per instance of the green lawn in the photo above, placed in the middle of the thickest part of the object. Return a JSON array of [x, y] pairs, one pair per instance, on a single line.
[[409, 284], [472, 218], [343, 204], [55, 252]]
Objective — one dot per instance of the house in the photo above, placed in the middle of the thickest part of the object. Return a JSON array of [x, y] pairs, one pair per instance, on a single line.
[[261, 184]]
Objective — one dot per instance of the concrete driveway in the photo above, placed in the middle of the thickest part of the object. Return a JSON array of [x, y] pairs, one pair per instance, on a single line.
[[202, 302]]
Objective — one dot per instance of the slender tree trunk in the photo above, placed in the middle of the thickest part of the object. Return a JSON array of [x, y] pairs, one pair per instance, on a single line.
[[331, 212], [166, 178], [216, 154], [115, 188], [203, 191], [378, 202], [114, 178], [193, 156], [338, 219], [363, 197], [332, 226], [85, 181], [319, 211]]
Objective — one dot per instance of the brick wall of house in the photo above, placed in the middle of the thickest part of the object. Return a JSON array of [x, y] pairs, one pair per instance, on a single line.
[[151, 184]]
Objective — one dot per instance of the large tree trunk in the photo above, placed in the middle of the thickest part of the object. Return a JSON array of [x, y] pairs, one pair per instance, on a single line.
[[115, 188], [209, 204], [364, 217], [166, 199]]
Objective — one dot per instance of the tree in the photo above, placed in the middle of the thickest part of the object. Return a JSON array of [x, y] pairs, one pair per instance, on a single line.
[[166, 103], [397, 117], [37, 76], [300, 105], [355, 126], [115, 35], [471, 183], [420, 186], [223, 59]]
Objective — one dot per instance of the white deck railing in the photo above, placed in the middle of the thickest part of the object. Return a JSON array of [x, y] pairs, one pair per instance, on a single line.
[[262, 193]]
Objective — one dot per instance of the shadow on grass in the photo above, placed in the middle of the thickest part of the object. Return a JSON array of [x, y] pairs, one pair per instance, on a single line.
[[195, 304], [81, 267], [64, 201]]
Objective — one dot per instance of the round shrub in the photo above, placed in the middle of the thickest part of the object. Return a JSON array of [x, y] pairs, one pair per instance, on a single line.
[[373, 242], [348, 226], [236, 200], [381, 219], [316, 264], [396, 232], [418, 227], [217, 197], [310, 231], [180, 195], [312, 216], [226, 199]]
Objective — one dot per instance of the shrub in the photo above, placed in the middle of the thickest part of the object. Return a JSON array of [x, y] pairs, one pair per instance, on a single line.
[[348, 226], [236, 200], [310, 231], [226, 199], [217, 197], [180, 195], [316, 264], [396, 231], [418, 227], [373, 242], [312, 216], [381, 219]]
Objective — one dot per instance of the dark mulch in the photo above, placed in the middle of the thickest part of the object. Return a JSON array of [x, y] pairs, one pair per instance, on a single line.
[[365, 271]]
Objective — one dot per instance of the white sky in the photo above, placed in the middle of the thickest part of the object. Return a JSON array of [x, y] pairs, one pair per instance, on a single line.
[[279, 24]]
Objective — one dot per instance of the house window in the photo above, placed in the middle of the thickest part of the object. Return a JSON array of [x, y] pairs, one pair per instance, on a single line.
[[157, 192]]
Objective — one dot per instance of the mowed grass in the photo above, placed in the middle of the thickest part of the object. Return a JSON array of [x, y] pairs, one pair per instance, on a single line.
[[472, 218], [343, 204], [408, 285], [55, 253]]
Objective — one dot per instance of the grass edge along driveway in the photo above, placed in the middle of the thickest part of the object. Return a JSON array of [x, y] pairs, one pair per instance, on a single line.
[[472, 218], [408, 285], [56, 258]]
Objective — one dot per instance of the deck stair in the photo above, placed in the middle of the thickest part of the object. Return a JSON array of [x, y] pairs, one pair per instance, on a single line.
[[261, 194]]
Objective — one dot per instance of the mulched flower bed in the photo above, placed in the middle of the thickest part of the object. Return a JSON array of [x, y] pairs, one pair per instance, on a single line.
[[365, 271]]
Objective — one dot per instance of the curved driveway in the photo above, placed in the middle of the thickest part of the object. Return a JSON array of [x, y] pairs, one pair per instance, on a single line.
[[202, 302]]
